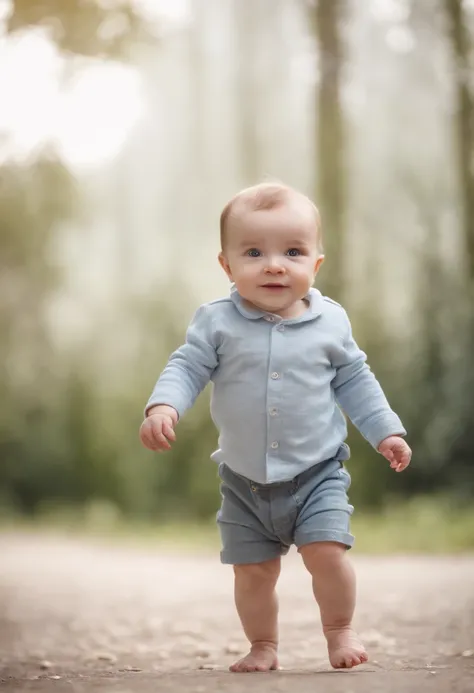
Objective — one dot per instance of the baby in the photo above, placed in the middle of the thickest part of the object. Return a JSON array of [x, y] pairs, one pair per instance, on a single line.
[[284, 366]]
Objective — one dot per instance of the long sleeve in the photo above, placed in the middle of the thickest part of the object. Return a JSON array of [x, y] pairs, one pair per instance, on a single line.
[[189, 368], [360, 395]]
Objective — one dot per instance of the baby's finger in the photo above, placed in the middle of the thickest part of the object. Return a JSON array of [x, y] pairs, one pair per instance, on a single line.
[[169, 432], [403, 462], [147, 438], [161, 442], [406, 459]]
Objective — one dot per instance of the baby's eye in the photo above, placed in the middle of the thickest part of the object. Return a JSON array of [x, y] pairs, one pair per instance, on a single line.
[[253, 252], [293, 252]]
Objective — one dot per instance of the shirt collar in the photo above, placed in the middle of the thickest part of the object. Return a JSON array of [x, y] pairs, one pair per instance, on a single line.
[[314, 310]]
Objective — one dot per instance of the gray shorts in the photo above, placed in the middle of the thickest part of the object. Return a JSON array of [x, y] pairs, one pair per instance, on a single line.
[[258, 522]]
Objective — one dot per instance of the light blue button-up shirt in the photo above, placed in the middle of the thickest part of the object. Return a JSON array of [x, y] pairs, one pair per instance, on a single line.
[[279, 385]]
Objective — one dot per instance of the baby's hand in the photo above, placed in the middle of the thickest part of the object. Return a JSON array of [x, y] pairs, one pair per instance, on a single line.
[[396, 451], [157, 431]]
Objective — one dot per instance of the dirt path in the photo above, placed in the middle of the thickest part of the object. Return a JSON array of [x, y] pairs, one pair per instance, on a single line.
[[79, 617]]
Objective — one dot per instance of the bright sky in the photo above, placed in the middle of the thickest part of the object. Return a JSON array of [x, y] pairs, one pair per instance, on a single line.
[[88, 115]]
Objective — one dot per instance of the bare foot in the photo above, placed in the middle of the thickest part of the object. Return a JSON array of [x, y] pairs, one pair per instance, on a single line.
[[345, 649], [262, 657]]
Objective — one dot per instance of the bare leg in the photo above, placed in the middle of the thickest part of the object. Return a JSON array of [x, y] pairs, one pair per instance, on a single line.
[[257, 606], [334, 587]]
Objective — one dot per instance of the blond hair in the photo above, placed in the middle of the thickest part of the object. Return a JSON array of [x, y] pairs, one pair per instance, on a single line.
[[265, 196]]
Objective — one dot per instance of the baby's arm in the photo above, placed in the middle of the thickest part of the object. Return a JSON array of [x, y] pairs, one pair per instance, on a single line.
[[361, 397], [186, 374]]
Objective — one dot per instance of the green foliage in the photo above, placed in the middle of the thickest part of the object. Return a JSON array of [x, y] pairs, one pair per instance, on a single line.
[[32, 199], [50, 445], [423, 525]]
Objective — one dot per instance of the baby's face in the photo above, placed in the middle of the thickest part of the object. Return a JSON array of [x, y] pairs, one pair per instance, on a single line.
[[272, 257]]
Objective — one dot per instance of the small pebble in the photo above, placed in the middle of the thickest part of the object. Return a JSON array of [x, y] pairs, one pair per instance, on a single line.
[[105, 657], [127, 667], [207, 667], [45, 664], [467, 653]]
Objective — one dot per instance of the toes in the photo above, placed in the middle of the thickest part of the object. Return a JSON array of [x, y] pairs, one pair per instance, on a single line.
[[255, 662], [354, 659], [348, 660], [359, 658], [237, 667], [252, 668], [243, 667]]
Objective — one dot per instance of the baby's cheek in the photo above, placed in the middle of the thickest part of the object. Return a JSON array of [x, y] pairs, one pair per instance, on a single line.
[[249, 273]]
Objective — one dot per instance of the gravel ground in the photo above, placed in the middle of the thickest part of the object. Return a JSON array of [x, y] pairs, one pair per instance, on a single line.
[[79, 616]]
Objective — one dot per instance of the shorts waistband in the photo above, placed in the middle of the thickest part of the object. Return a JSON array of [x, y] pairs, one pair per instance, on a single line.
[[293, 484]]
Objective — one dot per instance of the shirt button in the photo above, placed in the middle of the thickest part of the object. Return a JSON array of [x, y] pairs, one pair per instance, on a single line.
[[273, 411], [281, 328], [269, 318], [275, 375], [274, 445]]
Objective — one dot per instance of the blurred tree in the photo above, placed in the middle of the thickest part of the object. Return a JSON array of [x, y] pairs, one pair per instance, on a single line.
[[459, 19], [40, 444], [438, 372], [82, 27], [33, 200], [248, 83], [461, 47], [326, 21]]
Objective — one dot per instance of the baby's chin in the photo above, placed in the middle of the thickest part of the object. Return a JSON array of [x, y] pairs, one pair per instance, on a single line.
[[278, 307]]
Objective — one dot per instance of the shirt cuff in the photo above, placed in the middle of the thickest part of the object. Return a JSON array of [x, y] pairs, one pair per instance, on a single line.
[[376, 430], [174, 401]]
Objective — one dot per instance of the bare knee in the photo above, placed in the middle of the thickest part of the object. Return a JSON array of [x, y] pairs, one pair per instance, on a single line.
[[322, 553], [256, 575]]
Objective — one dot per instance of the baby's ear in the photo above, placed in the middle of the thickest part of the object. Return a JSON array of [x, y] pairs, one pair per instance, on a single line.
[[318, 263], [225, 265]]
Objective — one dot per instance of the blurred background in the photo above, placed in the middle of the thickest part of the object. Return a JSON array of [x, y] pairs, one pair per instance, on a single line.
[[124, 129]]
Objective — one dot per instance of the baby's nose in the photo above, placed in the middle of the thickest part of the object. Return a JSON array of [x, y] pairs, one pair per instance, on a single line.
[[273, 266]]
